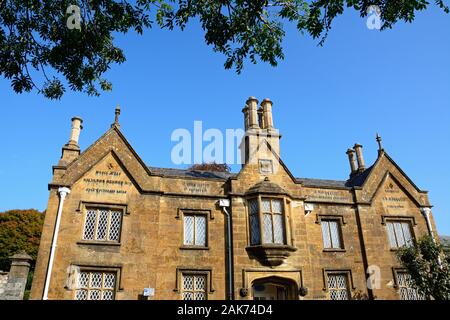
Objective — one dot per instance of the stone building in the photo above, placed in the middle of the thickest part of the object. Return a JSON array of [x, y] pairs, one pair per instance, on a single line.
[[117, 228]]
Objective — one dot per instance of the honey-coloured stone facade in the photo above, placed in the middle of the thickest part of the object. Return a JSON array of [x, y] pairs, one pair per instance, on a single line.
[[150, 258]]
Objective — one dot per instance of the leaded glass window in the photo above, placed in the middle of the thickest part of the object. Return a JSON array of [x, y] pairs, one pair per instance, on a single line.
[[194, 286], [255, 234], [406, 289], [273, 221], [331, 234], [102, 225], [267, 221], [338, 286], [399, 234], [195, 230], [95, 285]]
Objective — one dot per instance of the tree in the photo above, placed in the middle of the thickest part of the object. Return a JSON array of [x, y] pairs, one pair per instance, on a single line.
[[19, 230], [429, 269], [75, 38]]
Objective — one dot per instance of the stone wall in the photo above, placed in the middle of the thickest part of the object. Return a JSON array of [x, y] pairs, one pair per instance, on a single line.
[[3, 282], [12, 283]]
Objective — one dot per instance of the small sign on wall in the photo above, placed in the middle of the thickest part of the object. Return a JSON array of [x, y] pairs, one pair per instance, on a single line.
[[149, 292], [265, 166]]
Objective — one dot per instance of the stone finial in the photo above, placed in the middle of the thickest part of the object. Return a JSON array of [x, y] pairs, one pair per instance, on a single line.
[[116, 117], [22, 255], [21, 259], [380, 145]]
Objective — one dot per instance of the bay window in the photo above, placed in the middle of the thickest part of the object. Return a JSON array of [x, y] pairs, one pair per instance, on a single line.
[[267, 221]]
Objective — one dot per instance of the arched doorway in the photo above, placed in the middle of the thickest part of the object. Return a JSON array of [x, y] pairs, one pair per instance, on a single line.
[[274, 288]]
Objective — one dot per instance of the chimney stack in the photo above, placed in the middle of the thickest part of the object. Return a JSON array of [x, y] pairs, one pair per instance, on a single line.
[[261, 119], [266, 104], [75, 133], [246, 117], [259, 128], [71, 150], [359, 157], [252, 104], [352, 160]]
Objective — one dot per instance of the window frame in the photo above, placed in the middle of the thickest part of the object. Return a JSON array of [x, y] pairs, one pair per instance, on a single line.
[[340, 222], [207, 272], [92, 269], [195, 213], [396, 272], [395, 219], [85, 207], [260, 214], [349, 281], [194, 275]]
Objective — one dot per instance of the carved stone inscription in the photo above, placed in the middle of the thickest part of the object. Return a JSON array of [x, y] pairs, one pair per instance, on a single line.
[[107, 180], [394, 198], [327, 195], [196, 187]]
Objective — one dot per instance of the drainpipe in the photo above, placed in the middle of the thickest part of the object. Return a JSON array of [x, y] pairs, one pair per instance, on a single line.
[[362, 243], [63, 192], [224, 204], [426, 211]]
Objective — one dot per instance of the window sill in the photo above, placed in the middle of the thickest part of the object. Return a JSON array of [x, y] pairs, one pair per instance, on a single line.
[[99, 243], [334, 250], [193, 248]]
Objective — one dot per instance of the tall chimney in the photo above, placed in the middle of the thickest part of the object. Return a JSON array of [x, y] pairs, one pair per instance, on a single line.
[[252, 104], [71, 150], [266, 104], [76, 129], [352, 160], [261, 119], [246, 117], [359, 156]]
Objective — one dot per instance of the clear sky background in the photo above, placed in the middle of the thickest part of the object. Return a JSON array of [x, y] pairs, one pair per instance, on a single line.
[[395, 82]]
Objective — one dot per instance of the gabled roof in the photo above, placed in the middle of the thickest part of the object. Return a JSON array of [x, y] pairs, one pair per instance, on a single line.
[[114, 128], [355, 181], [131, 163]]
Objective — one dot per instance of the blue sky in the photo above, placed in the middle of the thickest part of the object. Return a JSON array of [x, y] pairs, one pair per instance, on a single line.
[[395, 82]]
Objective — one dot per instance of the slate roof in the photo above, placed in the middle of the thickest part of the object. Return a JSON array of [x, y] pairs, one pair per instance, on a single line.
[[307, 182], [168, 172], [356, 181]]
